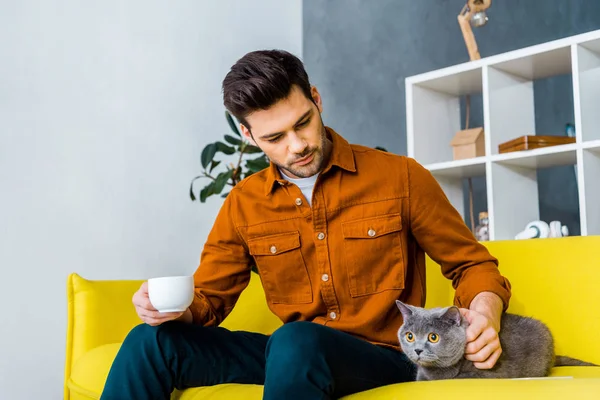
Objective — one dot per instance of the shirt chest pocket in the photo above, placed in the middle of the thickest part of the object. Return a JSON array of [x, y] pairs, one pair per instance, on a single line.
[[373, 254], [282, 268]]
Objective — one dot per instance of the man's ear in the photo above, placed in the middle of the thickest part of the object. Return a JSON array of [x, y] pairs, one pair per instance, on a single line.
[[246, 134], [316, 98]]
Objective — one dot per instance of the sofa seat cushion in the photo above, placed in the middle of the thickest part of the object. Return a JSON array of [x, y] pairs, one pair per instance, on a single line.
[[89, 374], [490, 389], [90, 371]]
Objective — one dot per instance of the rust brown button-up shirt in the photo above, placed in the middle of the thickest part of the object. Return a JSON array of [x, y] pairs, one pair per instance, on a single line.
[[344, 261]]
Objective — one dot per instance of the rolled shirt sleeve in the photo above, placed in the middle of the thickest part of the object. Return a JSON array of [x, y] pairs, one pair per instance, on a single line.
[[441, 232]]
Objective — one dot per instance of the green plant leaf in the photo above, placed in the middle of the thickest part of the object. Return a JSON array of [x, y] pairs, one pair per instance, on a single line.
[[250, 149], [257, 164], [224, 195], [208, 154], [221, 181], [213, 165], [232, 124], [231, 140], [207, 191], [192, 196], [223, 148]]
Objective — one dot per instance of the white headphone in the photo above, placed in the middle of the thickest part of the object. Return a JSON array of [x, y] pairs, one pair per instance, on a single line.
[[540, 229]]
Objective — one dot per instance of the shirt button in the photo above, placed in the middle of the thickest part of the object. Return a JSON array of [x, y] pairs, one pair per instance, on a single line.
[[332, 315], [324, 277], [371, 232], [273, 249], [321, 236], [298, 201]]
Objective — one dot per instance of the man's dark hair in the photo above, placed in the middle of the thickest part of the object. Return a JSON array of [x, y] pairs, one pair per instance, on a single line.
[[260, 79]]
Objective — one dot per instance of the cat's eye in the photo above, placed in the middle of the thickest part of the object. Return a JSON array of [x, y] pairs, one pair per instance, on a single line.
[[409, 337], [433, 337]]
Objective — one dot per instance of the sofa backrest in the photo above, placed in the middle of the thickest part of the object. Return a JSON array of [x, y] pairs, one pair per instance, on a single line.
[[99, 312], [554, 280]]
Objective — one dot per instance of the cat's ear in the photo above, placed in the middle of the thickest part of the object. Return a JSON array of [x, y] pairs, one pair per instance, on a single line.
[[405, 309], [452, 314]]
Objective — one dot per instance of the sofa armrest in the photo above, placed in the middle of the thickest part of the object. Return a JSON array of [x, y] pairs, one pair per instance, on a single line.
[[99, 312]]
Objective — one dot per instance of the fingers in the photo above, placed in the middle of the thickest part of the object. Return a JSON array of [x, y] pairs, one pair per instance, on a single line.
[[491, 361], [485, 352], [489, 335], [146, 310], [141, 299], [143, 303], [156, 318], [476, 328], [483, 345]]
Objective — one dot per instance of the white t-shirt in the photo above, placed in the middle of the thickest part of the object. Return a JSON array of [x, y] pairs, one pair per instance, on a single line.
[[305, 185]]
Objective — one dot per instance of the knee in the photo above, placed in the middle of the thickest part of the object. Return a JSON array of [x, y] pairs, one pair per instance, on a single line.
[[294, 340], [146, 338], [141, 334]]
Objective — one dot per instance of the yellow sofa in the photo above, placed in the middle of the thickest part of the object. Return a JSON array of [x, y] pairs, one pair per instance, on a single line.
[[554, 280]]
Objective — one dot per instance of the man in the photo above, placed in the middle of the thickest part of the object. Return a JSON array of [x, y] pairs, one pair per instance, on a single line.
[[338, 233]]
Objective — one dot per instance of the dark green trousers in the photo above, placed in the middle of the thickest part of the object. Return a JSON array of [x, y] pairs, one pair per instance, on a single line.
[[301, 360]]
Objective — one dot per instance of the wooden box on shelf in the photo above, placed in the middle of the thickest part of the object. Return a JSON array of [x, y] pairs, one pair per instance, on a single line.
[[468, 143], [529, 142]]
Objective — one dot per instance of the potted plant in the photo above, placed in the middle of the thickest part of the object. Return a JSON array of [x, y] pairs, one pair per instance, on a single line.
[[233, 173]]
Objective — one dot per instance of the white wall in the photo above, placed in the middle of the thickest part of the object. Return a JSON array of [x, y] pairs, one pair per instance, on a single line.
[[104, 109]]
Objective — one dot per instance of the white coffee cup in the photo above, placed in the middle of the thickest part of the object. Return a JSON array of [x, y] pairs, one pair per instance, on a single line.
[[171, 293]]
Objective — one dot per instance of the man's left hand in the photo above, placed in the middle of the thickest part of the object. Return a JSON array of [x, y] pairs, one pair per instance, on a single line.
[[483, 344]]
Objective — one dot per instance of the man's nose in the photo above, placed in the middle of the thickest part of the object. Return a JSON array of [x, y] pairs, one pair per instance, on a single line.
[[297, 144]]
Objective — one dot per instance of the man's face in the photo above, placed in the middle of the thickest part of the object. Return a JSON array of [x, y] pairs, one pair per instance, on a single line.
[[291, 133]]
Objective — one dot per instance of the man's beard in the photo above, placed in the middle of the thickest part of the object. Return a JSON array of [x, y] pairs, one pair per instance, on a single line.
[[316, 164]]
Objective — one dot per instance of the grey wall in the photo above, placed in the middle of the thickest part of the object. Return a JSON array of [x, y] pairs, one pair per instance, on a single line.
[[358, 53], [105, 107]]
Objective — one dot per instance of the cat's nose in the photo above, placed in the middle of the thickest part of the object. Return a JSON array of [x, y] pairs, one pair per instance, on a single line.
[[418, 351]]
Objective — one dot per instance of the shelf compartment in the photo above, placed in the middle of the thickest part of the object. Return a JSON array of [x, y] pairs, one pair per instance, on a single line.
[[588, 65], [434, 112], [454, 182], [539, 65], [591, 163], [518, 181], [519, 89]]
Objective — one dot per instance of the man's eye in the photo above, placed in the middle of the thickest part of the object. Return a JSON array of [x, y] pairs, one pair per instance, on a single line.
[[303, 124], [273, 140]]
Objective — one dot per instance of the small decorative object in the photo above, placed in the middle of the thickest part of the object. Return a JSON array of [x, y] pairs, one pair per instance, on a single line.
[[482, 231], [468, 143], [542, 230], [473, 14], [529, 142], [570, 130]]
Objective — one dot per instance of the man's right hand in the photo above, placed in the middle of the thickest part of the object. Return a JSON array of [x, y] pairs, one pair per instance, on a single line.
[[151, 315]]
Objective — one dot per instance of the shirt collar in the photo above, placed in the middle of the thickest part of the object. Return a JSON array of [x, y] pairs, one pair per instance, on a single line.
[[342, 156]]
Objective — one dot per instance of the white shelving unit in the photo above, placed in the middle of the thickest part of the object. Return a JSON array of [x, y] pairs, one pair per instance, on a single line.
[[505, 82]]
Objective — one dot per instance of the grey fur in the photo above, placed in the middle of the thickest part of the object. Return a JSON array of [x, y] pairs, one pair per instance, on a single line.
[[527, 346]]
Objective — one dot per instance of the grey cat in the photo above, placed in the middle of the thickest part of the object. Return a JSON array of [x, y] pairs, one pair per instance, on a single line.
[[435, 340]]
